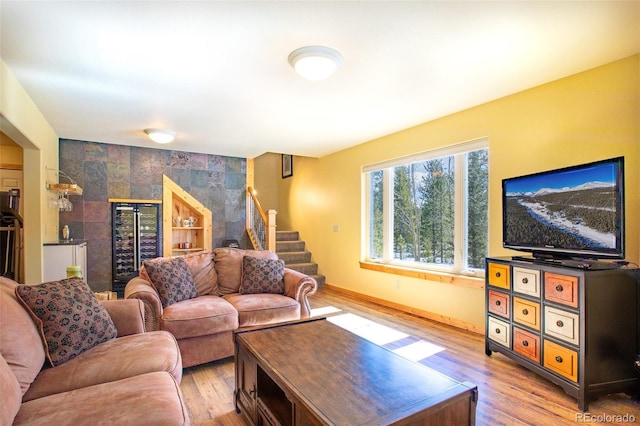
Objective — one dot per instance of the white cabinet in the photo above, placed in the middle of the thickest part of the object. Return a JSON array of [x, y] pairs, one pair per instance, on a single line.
[[57, 256]]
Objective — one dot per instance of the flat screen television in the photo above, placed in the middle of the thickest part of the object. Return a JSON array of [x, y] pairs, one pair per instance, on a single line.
[[571, 213]]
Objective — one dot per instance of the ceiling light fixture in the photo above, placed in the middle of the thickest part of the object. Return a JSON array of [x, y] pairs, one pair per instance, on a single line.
[[161, 135], [315, 62]]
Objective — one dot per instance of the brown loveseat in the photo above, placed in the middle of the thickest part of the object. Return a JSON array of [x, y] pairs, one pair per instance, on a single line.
[[204, 324], [131, 379]]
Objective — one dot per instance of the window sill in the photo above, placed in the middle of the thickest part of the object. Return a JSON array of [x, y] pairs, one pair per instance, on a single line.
[[441, 277]]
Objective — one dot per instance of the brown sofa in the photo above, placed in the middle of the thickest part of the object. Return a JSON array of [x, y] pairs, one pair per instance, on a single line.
[[132, 379], [204, 325]]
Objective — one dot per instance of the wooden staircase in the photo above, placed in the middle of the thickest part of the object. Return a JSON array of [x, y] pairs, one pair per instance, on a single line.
[[290, 249]]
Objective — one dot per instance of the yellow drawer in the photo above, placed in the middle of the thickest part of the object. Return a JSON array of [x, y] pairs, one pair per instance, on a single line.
[[499, 331], [526, 312], [526, 281], [561, 360], [526, 344], [498, 275], [562, 325], [498, 303]]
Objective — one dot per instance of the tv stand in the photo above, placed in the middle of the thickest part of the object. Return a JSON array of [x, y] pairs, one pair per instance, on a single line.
[[574, 327], [567, 262]]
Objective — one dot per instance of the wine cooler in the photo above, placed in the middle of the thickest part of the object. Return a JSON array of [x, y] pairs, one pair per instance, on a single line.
[[135, 237]]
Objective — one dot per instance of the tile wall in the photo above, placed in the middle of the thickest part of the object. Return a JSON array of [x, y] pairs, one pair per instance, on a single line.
[[106, 171]]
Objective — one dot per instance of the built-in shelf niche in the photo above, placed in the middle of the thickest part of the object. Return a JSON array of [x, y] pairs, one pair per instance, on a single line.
[[179, 206]]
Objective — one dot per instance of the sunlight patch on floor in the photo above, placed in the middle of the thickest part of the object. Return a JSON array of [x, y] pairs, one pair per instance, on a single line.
[[325, 310], [411, 348], [406, 346]]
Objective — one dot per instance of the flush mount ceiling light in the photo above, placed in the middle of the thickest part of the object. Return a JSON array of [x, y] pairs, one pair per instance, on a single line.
[[161, 135], [315, 62]]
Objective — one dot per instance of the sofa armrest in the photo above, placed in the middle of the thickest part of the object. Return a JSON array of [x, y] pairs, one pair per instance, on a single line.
[[139, 288], [127, 315], [298, 286]]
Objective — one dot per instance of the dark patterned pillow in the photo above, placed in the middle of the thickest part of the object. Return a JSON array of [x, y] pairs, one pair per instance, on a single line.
[[172, 279], [69, 317], [262, 276]]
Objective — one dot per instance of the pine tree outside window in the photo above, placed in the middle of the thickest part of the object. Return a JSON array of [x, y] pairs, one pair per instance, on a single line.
[[430, 210]]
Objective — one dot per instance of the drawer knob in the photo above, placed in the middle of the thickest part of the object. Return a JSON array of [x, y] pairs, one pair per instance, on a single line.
[[525, 343], [498, 275], [497, 331], [559, 288], [525, 312], [558, 359], [559, 323], [498, 303], [525, 281]]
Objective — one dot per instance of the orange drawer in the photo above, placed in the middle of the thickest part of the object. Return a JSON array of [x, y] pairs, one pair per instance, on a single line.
[[561, 289], [526, 281], [526, 312], [499, 303], [498, 275], [526, 344], [561, 360]]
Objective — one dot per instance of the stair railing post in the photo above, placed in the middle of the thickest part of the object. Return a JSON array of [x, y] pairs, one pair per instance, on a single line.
[[271, 230]]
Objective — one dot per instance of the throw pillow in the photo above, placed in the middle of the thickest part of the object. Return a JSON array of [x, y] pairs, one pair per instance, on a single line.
[[172, 279], [262, 276], [228, 264], [69, 317]]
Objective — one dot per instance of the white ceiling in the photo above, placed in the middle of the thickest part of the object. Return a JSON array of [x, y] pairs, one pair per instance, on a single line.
[[217, 71]]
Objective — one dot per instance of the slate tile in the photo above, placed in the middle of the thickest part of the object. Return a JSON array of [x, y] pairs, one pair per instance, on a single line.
[[119, 190], [95, 151], [97, 212], [120, 154]]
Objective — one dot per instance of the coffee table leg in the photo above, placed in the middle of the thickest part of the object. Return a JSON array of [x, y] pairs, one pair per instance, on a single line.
[[235, 393]]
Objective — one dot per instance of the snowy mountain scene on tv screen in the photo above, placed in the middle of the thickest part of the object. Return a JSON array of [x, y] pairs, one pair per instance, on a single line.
[[568, 209]]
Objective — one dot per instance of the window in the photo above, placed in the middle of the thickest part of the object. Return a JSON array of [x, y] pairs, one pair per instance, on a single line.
[[430, 210]]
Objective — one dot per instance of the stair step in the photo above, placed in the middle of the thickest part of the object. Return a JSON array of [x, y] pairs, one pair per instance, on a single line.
[[320, 280], [292, 251], [295, 257], [289, 246], [287, 235], [305, 268]]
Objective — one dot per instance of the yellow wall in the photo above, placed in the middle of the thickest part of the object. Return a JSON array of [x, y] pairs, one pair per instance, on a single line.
[[266, 180], [285, 194], [22, 121], [10, 153], [582, 118]]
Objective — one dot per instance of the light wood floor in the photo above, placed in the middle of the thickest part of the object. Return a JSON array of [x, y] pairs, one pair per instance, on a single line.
[[508, 394]]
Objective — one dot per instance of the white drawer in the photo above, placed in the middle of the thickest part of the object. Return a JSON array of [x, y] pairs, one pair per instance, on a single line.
[[526, 281], [499, 331], [561, 324]]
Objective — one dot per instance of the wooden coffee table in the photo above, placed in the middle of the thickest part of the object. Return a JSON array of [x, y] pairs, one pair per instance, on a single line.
[[316, 373]]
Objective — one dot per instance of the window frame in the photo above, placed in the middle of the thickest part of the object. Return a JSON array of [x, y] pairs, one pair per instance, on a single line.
[[460, 210]]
